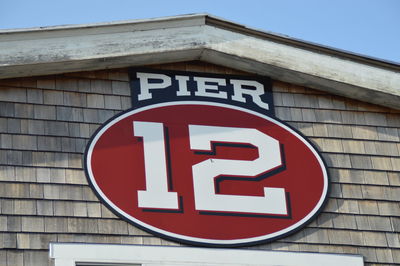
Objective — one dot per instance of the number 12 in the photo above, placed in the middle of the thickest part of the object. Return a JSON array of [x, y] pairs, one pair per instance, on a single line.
[[201, 137]]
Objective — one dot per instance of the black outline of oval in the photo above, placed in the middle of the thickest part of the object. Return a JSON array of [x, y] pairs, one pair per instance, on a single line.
[[198, 243]]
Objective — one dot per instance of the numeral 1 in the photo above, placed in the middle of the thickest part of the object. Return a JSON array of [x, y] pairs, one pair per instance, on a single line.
[[156, 194]]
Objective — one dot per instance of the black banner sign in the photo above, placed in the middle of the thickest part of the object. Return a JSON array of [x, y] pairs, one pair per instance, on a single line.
[[151, 86]]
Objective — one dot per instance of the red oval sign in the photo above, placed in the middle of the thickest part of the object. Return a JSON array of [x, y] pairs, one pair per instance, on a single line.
[[206, 173]]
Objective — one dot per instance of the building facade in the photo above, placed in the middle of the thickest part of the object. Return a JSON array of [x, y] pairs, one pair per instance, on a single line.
[[58, 85]]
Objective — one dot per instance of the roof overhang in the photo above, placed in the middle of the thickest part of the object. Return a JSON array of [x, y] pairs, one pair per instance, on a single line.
[[54, 50]]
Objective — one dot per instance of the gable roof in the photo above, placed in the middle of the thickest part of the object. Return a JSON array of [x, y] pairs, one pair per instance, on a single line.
[[61, 49]]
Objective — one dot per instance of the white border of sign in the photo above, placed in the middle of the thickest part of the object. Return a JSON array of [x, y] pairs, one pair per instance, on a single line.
[[299, 224], [69, 254]]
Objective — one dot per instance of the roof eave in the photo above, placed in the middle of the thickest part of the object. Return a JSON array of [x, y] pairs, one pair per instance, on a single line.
[[198, 37]]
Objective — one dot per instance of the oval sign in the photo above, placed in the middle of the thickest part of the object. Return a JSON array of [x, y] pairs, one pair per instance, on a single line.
[[206, 173]]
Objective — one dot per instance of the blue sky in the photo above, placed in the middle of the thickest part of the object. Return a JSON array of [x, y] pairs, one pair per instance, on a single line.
[[368, 27]]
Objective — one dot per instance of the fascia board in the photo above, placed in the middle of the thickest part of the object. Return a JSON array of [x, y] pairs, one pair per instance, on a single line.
[[304, 67], [52, 55], [102, 28]]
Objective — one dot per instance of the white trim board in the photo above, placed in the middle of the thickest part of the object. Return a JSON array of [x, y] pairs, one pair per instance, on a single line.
[[68, 254]]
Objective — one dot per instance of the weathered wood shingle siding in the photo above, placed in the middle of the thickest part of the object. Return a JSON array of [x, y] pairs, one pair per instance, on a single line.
[[45, 123]]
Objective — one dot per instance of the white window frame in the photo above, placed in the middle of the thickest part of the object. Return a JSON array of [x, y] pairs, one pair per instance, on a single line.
[[69, 254]]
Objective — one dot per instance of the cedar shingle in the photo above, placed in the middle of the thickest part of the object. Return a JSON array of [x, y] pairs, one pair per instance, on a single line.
[[385, 148], [348, 206], [3, 223], [23, 241], [375, 119], [389, 208], [120, 88], [287, 99], [9, 94], [32, 224], [43, 175], [384, 255], [325, 220], [339, 237], [69, 84], [91, 115], [374, 239], [126, 103], [34, 96], [46, 83], [112, 102], [93, 209], [34, 258], [337, 160], [47, 143], [23, 110], [44, 112], [106, 213], [374, 192], [352, 191], [328, 116], [388, 134], [7, 173], [345, 222], [82, 225], [80, 209], [13, 125], [36, 127], [9, 240], [25, 174], [303, 248], [15, 257], [353, 146], [308, 115], [69, 113], [364, 132], [56, 128], [95, 101], [73, 176], [282, 113], [118, 75], [393, 240], [74, 129], [369, 254], [53, 97], [104, 86], [41, 241], [381, 163], [7, 109], [45, 207], [35, 191], [376, 178], [395, 162], [380, 223], [108, 226], [75, 99], [354, 118], [368, 207], [356, 238], [14, 223], [339, 131], [104, 115], [361, 162], [25, 207]]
